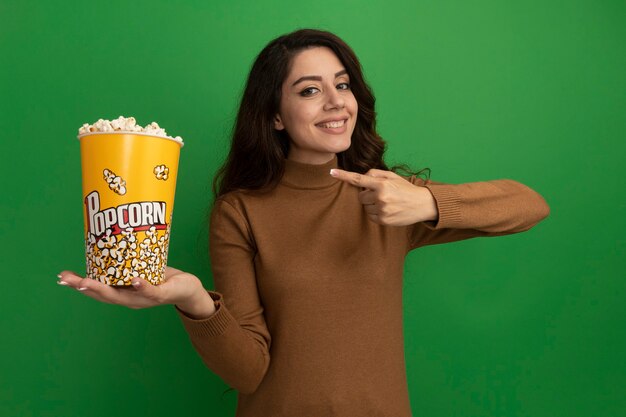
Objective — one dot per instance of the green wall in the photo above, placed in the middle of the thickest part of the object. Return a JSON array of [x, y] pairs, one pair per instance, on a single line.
[[522, 325]]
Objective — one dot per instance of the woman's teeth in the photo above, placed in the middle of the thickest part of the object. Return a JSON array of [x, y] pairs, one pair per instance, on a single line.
[[332, 124]]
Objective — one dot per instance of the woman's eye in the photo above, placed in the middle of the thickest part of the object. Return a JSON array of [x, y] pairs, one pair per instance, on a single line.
[[307, 91], [311, 90]]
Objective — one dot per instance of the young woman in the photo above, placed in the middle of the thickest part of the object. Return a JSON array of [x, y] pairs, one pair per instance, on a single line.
[[308, 236]]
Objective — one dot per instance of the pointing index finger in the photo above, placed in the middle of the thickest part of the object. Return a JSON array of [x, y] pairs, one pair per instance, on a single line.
[[356, 179]]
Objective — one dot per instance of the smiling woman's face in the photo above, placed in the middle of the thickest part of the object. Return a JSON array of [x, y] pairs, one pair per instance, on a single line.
[[317, 108]]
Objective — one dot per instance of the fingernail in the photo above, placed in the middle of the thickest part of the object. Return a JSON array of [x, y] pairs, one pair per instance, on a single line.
[[61, 282], [83, 289], [333, 172], [136, 284], [59, 276]]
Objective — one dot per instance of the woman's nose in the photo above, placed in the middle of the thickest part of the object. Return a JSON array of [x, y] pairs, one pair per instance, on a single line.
[[334, 100]]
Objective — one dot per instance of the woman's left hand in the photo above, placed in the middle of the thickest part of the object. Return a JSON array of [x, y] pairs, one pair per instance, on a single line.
[[389, 199]]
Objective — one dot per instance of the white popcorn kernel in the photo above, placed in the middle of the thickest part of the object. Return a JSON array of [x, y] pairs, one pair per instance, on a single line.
[[84, 129], [117, 123]]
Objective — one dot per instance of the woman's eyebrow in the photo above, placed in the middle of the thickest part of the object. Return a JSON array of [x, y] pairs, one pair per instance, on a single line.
[[317, 77]]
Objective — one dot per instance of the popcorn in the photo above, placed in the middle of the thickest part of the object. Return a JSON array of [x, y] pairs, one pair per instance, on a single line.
[[117, 259], [154, 129], [161, 172], [125, 125], [84, 129], [117, 184]]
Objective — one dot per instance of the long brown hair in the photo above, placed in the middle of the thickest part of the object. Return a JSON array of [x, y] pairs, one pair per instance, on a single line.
[[256, 160]]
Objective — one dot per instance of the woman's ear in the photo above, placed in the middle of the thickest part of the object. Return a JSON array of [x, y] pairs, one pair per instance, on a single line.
[[278, 123]]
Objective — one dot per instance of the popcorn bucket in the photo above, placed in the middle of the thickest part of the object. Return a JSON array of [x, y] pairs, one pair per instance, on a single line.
[[129, 181]]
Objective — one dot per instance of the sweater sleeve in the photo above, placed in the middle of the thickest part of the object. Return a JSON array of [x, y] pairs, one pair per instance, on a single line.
[[234, 342], [489, 208]]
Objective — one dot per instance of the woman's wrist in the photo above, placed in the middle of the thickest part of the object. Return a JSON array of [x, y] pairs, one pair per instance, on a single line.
[[199, 306], [432, 205], [426, 205]]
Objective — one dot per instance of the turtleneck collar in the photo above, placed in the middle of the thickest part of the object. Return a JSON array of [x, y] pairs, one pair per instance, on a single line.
[[309, 176]]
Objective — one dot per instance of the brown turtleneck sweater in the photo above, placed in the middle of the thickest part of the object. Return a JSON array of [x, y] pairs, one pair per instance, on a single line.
[[308, 290]]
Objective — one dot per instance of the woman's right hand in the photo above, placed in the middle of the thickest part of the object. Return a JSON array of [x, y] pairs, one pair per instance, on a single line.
[[180, 288]]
